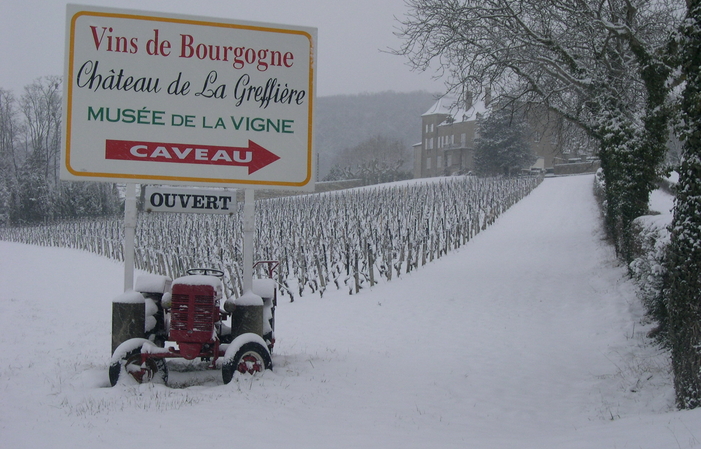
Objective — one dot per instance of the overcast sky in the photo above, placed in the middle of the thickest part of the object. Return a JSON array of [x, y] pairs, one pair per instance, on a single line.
[[351, 35]]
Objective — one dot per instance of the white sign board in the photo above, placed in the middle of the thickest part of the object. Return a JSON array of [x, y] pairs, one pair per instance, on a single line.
[[189, 200], [187, 100]]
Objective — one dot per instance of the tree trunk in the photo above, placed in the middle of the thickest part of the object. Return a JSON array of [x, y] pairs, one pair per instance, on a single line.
[[684, 265]]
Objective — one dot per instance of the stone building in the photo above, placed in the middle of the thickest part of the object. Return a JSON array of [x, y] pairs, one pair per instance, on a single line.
[[448, 134]]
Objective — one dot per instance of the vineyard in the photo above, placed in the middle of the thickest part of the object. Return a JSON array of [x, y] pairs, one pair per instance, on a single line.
[[347, 239]]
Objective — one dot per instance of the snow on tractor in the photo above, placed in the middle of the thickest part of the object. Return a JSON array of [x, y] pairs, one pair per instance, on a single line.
[[189, 318]]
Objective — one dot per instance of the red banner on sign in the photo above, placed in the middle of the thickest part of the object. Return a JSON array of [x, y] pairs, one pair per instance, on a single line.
[[254, 156]]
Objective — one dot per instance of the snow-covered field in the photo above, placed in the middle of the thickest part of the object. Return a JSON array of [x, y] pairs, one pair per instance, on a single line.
[[529, 336]]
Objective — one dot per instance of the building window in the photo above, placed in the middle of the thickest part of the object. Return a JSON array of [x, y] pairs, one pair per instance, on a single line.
[[439, 162], [428, 163], [463, 138], [448, 160]]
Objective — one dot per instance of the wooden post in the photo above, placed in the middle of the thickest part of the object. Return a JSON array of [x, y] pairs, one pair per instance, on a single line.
[[371, 265], [356, 274]]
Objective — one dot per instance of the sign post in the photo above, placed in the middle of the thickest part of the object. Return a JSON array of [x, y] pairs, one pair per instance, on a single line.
[[157, 98], [249, 227], [129, 235]]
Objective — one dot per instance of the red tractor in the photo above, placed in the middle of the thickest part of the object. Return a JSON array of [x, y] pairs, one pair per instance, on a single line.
[[188, 319]]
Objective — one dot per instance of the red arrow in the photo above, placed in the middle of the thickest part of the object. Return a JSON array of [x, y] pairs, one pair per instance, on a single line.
[[254, 156], [261, 157]]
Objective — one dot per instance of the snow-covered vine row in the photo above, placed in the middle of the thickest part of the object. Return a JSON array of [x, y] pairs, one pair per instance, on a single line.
[[342, 240], [103, 236]]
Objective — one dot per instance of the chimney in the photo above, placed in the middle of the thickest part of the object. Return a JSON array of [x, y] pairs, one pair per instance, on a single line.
[[468, 100]]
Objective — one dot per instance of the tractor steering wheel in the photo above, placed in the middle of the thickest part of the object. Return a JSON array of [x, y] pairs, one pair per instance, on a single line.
[[206, 272]]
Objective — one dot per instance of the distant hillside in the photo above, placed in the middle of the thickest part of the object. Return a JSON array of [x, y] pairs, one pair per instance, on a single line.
[[343, 121]]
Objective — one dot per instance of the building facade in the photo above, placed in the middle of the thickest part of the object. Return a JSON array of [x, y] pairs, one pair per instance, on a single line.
[[448, 133]]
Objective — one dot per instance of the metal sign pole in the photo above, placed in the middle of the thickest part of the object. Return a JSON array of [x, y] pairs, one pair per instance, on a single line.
[[249, 223], [129, 235]]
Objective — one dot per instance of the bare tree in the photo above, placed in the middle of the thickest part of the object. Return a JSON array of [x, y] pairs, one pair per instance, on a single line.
[[374, 160], [597, 63], [37, 183], [30, 143], [41, 107]]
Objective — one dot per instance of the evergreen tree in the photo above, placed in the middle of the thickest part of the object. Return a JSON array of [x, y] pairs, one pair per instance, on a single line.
[[87, 199], [33, 201], [684, 265], [9, 128], [502, 146]]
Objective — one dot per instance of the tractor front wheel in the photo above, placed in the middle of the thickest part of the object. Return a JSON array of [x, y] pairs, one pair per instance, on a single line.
[[251, 357], [127, 359]]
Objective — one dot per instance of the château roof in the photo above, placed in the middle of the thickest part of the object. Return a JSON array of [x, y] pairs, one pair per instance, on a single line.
[[449, 106]]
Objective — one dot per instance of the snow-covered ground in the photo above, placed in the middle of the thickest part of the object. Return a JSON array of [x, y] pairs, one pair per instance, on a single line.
[[529, 336]]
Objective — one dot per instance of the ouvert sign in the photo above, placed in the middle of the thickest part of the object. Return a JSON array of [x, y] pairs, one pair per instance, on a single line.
[[189, 200], [162, 98]]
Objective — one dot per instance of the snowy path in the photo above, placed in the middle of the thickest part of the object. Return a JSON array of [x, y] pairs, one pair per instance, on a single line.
[[527, 337]]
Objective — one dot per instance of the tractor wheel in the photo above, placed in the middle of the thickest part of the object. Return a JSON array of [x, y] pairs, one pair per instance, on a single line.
[[127, 359], [251, 358]]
